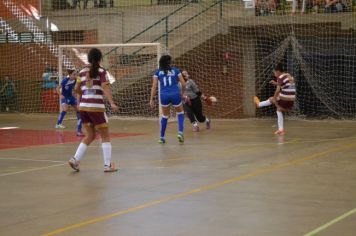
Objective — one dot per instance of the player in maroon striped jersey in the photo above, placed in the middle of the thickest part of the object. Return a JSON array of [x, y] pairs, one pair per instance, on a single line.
[[94, 84], [284, 96]]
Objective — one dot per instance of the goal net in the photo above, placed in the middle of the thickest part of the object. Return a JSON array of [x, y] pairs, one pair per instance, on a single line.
[[228, 47], [129, 68]]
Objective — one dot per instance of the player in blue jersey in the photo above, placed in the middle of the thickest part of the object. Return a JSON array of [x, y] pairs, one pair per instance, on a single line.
[[170, 93], [65, 91]]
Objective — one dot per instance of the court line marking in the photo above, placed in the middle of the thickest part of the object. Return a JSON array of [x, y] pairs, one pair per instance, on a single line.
[[257, 172], [23, 159], [330, 223], [30, 170]]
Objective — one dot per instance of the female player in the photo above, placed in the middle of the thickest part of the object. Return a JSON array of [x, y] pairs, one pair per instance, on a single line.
[[170, 94], [93, 85], [192, 103], [65, 91], [283, 98]]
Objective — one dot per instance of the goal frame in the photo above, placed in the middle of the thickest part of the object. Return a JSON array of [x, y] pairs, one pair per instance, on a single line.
[[61, 56]]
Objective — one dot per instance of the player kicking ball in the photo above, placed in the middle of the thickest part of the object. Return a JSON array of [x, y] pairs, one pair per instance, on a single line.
[[284, 96]]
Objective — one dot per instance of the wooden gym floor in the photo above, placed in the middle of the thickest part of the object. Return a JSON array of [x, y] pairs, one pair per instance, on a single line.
[[235, 179]]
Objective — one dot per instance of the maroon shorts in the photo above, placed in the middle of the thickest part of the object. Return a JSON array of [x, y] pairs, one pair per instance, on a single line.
[[287, 105], [95, 119]]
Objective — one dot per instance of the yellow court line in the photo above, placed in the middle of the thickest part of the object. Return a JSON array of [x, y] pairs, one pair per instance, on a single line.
[[330, 223], [258, 172]]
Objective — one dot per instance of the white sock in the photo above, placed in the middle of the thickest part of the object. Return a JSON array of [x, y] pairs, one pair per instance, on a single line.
[[280, 120], [80, 151], [106, 153], [265, 103]]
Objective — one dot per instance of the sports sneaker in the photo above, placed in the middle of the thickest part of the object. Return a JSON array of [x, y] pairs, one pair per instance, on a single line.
[[161, 141], [195, 128], [180, 138], [207, 123], [280, 132], [60, 126], [74, 164], [111, 168], [80, 134], [257, 101]]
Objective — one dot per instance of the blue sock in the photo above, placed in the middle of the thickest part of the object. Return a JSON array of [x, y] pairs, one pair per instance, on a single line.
[[180, 122], [164, 121], [79, 123], [61, 117]]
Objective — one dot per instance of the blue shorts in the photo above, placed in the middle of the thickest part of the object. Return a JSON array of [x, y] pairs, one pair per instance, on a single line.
[[69, 100], [174, 98]]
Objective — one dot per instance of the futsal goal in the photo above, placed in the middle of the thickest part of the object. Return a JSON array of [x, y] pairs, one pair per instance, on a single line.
[[129, 68]]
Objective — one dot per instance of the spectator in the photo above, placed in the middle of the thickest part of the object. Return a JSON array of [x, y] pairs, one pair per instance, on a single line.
[[7, 93], [265, 7], [333, 6], [50, 78]]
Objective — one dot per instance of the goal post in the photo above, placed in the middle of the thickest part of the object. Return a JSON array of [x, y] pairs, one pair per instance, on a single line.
[[129, 66]]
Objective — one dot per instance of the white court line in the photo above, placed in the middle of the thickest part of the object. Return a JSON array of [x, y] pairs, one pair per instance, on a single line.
[[35, 169], [19, 159]]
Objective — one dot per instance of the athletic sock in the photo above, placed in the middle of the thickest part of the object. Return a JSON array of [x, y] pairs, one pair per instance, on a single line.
[[79, 123], [280, 120], [80, 151], [180, 122], [265, 103], [164, 121], [61, 117], [106, 153]]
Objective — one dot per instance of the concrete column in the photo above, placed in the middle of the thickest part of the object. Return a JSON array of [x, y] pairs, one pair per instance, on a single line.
[[249, 77]]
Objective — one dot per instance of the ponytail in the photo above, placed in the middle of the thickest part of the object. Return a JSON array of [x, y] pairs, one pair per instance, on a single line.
[[94, 58], [94, 69]]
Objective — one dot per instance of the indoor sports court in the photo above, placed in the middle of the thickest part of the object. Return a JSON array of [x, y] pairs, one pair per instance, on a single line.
[[276, 79], [235, 179]]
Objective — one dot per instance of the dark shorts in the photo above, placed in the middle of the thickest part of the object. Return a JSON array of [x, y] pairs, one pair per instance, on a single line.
[[94, 119], [287, 105]]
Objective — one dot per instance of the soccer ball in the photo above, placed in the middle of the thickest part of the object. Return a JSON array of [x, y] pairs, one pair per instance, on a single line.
[[213, 99]]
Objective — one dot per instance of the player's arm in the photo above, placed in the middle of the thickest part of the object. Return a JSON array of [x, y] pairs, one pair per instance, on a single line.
[[182, 82], [153, 90], [108, 95], [273, 82], [58, 89]]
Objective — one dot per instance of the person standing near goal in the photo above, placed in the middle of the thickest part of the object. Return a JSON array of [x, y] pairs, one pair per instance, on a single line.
[[284, 96], [170, 94], [192, 103], [65, 91], [93, 85]]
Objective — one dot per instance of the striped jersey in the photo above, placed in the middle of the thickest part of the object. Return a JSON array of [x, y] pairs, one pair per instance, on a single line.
[[92, 98], [288, 91]]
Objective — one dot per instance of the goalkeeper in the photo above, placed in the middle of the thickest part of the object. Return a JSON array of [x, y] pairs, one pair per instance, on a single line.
[[192, 103]]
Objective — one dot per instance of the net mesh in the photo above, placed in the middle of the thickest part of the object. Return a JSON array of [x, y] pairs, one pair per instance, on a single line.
[[129, 69], [228, 47]]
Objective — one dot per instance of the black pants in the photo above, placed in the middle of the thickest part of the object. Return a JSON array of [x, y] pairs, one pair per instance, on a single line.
[[195, 110]]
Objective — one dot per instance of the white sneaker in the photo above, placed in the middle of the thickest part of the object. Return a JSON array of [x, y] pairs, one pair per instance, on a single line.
[[60, 126], [111, 168], [74, 164]]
